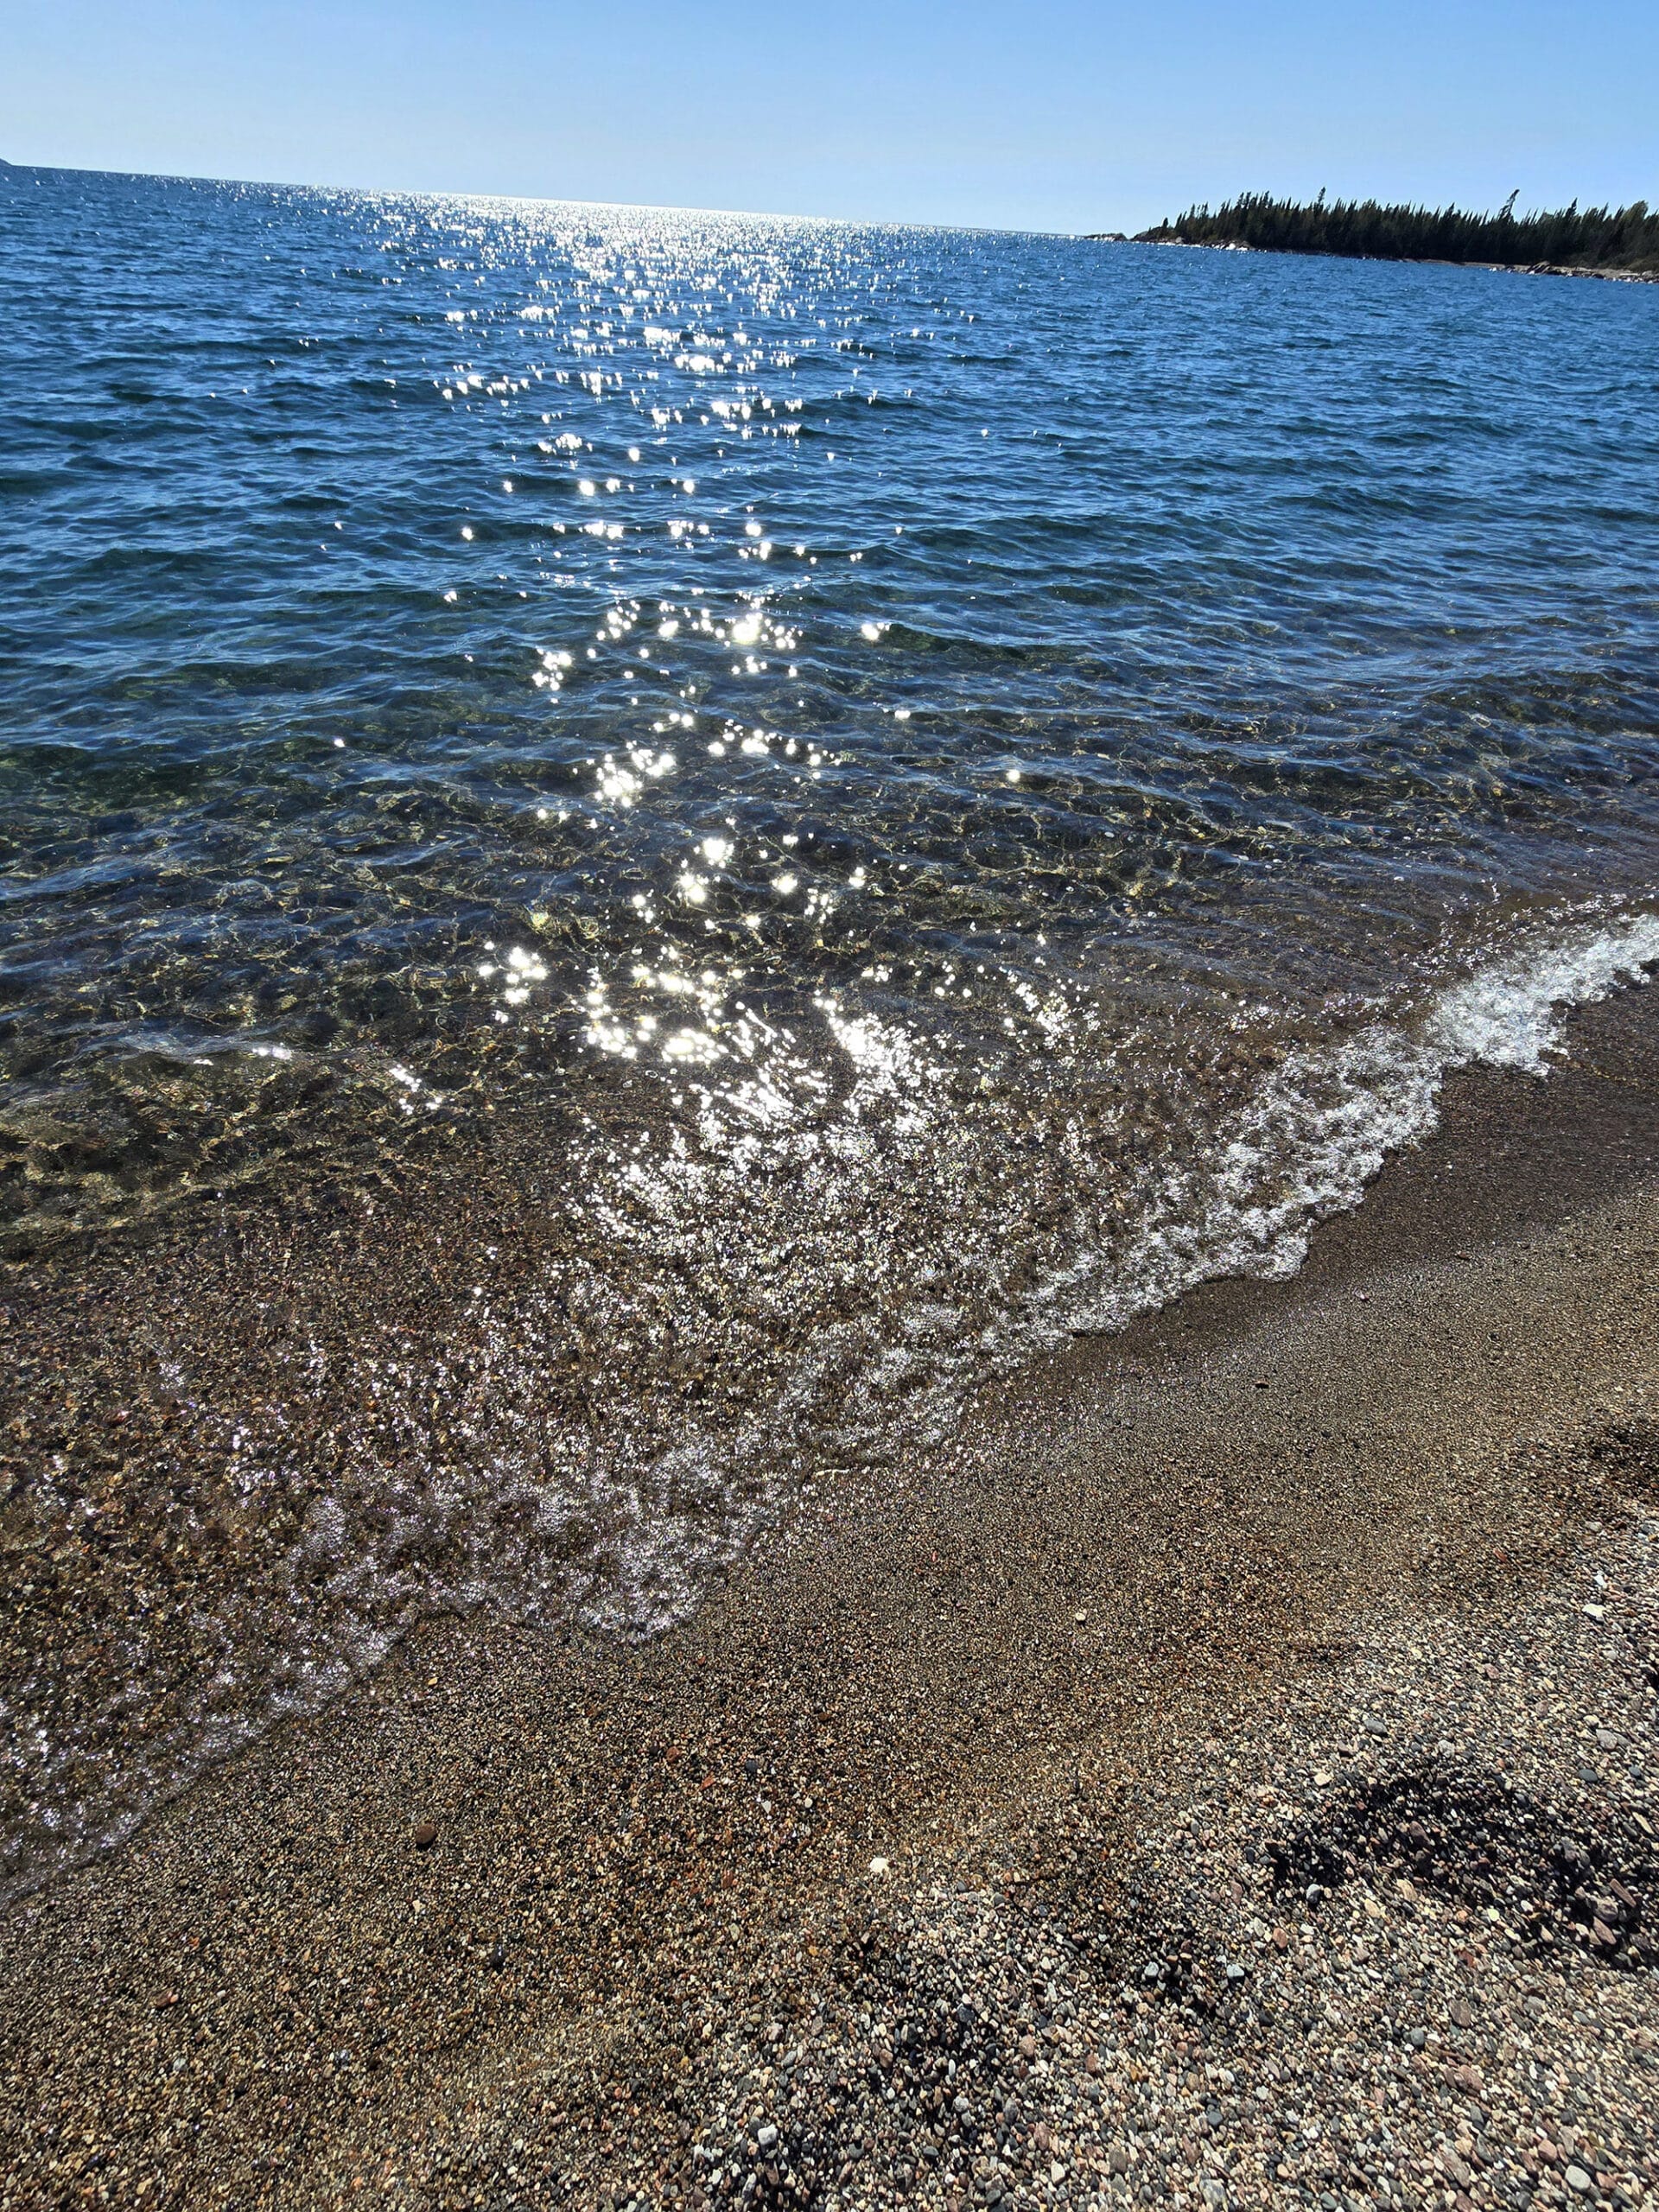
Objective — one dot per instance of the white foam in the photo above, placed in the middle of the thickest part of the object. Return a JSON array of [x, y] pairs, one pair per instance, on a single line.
[[1322, 1125], [1507, 1014]]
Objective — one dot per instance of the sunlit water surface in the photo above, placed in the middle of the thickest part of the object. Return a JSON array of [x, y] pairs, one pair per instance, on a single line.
[[935, 787]]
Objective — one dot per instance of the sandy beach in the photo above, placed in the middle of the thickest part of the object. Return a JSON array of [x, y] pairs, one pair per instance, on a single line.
[[1209, 1783]]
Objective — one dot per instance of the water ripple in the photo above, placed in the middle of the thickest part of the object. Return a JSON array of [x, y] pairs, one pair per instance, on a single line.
[[791, 812]]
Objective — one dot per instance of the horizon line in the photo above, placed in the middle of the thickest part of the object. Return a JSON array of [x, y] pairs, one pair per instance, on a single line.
[[539, 199]]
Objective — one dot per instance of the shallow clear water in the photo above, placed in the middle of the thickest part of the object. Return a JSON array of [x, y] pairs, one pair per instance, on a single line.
[[915, 792]]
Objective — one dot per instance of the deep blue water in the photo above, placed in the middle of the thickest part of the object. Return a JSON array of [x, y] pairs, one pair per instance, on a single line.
[[944, 784]]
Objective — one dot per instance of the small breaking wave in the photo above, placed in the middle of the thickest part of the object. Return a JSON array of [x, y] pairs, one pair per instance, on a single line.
[[1324, 1123]]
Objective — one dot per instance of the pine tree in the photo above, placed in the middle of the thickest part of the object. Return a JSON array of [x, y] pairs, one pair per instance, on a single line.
[[1571, 237]]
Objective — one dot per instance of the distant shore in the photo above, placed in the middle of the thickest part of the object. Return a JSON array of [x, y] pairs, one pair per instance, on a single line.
[[1562, 241], [1505, 268]]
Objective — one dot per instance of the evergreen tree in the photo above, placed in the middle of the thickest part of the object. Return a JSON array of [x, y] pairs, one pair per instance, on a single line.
[[1571, 237]]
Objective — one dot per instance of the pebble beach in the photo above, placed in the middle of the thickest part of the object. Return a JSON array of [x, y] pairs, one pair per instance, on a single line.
[[828, 1216], [1224, 1779]]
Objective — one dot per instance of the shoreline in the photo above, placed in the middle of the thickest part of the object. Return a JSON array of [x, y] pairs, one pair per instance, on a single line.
[[519, 1912], [1418, 261]]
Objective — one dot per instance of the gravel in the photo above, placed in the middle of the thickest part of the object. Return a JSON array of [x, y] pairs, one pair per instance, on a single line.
[[1180, 1792], [1322, 1973]]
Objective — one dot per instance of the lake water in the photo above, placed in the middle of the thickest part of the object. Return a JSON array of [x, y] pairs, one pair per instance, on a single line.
[[912, 792]]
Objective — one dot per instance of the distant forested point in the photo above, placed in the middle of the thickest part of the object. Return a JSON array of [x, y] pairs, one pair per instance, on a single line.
[[1624, 240]]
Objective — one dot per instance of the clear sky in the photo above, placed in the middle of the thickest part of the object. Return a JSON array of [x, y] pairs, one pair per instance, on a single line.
[[1043, 114]]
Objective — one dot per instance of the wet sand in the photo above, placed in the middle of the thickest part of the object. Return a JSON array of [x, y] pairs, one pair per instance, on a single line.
[[532, 1919]]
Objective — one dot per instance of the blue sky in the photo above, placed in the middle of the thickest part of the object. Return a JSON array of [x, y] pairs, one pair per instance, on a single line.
[[1045, 114]]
